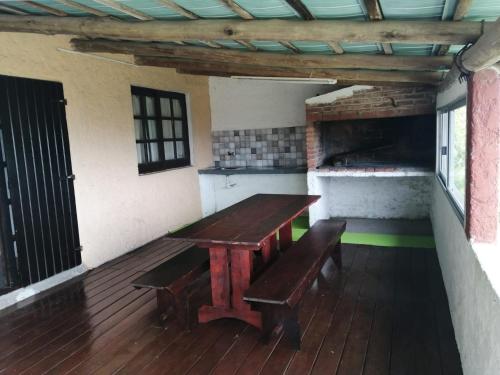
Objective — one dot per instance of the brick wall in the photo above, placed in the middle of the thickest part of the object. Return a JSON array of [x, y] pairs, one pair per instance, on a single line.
[[378, 102]]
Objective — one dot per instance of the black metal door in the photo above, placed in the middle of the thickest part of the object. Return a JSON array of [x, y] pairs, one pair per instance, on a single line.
[[38, 215]]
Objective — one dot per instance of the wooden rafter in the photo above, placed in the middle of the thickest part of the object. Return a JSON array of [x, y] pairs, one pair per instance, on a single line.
[[231, 69], [248, 45], [177, 8], [45, 8], [301, 9], [125, 9], [304, 12], [265, 59], [236, 8], [12, 10], [461, 10], [432, 32], [375, 14], [83, 8]]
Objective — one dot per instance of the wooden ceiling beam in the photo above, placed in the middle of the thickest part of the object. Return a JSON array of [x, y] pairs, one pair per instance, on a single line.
[[177, 8], [375, 14], [481, 55], [12, 10], [83, 8], [461, 10], [432, 32], [125, 9], [251, 70], [243, 13], [265, 59], [45, 8]]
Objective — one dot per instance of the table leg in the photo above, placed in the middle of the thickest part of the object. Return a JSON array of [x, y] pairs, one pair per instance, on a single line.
[[286, 236], [224, 283], [241, 269], [219, 277]]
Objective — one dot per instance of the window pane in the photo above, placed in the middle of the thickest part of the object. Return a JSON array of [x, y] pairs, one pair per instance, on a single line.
[[150, 106], [167, 129], [458, 154], [136, 105], [139, 131], [152, 129], [180, 150], [169, 150], [153, 152], [177, 108], [178, 129], [443, 150], [141, 153], [165, 107]]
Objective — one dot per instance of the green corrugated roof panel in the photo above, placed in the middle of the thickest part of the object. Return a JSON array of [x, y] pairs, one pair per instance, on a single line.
[[411, 9], [207, 8], [361, 47], [231, 44], [313, 47], [271, 46], [268, 8], [336, 9], [412, 49], [488, 10]]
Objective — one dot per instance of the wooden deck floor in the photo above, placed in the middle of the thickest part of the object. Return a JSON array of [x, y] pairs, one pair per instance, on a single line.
[[385, 313]]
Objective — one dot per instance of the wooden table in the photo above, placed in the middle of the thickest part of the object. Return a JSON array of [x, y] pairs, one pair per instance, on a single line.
[[231, 235]]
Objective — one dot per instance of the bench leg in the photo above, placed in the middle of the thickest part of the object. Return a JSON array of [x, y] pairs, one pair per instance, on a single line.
[[292, 329], [336, 255], [164, 300]]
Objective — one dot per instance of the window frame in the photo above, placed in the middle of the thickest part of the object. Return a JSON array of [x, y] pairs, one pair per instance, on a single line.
[[161, 165], [444, 176]]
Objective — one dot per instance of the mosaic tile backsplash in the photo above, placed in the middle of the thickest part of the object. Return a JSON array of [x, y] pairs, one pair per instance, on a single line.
[[275, 147]]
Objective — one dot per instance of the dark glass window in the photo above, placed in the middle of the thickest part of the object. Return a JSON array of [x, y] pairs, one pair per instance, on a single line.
[[161, 130]]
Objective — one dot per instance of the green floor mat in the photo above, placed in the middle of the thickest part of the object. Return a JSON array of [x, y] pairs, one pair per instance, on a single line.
[[301, 224]]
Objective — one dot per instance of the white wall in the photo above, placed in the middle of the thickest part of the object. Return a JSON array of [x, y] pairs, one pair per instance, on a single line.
[[370, 197], [471, 277], [219, 192], [474, 301], [118, 210], [246, 104]]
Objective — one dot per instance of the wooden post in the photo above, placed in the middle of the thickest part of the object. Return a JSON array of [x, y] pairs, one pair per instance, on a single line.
[[220, 279], [241, 269]]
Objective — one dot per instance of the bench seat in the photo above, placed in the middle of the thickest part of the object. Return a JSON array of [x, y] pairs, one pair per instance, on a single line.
[[172, 280], [278, 291]]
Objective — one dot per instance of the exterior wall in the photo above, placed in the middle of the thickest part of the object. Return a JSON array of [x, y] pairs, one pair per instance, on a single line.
[[471, 277], [245, 104], [370, 197], [219, 191], [118, 210]]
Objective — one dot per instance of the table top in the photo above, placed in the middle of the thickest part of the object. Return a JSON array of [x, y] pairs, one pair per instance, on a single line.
[[247, 223]]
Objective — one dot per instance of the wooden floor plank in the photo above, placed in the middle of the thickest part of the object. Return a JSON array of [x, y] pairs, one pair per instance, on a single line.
[[379, 347], [330, 353], [302, 361], [385, 313]]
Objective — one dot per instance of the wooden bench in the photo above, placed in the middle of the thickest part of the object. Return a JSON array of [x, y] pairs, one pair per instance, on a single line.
[[278, 291], [173, 281]]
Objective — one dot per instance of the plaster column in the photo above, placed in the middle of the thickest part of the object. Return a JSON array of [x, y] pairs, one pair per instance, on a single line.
[[483, 162]]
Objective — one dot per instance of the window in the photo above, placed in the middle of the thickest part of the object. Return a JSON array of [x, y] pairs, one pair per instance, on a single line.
[[161, 130], [452, 152]]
